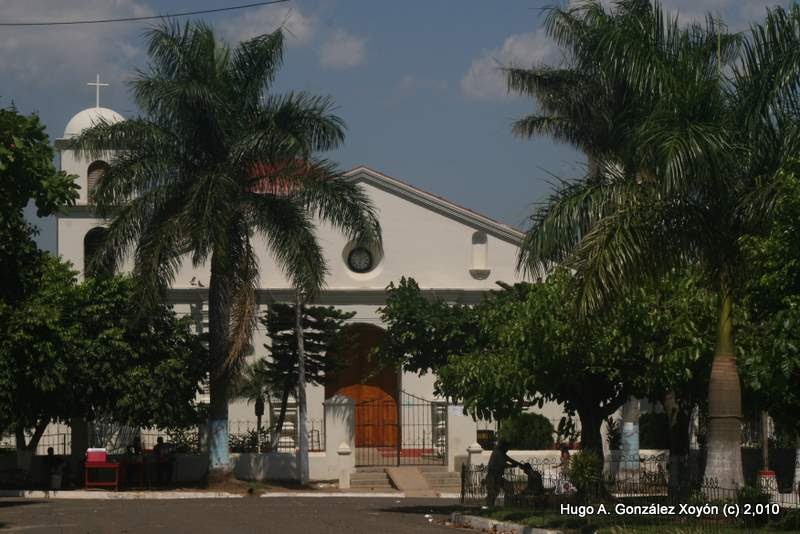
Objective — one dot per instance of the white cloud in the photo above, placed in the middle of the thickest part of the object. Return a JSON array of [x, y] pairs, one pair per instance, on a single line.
[[342, 50], [60, 55], [485, 81], [299, 28]]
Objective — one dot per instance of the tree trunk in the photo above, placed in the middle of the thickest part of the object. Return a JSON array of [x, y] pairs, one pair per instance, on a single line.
[[765, 441], [796, 485], [680, 421], [630, 435], [219, 374], [19, 438], [302, 459], [591, 437], [724, 460], [79, 442], [38, 432], [276, 436]]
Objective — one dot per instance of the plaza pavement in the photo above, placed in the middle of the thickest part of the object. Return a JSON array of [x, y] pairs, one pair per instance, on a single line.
[[245, 515]]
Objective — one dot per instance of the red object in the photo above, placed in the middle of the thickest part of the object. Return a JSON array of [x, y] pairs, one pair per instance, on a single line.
[[91, 466], [770, 474], [96, 456]]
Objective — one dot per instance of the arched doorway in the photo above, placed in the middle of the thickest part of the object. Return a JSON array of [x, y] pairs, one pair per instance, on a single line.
[[374, 389], [93, 243]]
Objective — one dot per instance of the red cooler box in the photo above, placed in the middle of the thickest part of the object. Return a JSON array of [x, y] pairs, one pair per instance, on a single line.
[[96, 455]]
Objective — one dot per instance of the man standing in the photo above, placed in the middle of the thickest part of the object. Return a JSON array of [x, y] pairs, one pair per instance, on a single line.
[[498, 462]]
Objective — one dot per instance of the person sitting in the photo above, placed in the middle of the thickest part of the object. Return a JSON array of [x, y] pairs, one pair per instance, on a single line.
[[163, 454], [498, 462], [55, 469], [134, 463]]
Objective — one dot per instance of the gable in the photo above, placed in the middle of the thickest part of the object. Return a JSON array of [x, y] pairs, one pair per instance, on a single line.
[[435, 203]]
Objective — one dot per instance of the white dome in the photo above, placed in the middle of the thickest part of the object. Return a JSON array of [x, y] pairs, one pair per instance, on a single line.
[[88, 118]]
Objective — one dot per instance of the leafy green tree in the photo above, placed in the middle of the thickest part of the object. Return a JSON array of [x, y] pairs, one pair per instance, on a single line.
[[76, 350], [422, 333], [322, 329], [214, 161], [26, 174], [769, 347], [537, 350], [527, 431], [710, 125]]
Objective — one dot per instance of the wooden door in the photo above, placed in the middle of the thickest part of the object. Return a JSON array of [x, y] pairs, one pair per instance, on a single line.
[[374, 390]]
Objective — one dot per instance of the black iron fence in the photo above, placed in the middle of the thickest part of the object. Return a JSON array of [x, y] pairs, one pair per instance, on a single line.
[[629, 493]]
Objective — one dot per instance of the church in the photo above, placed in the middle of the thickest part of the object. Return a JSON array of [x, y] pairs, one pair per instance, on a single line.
[[454, 253]]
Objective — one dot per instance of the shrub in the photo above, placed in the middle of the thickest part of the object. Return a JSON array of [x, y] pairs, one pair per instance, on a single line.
[[753, 496], [528, 431], [789, 521], [654, 431], [585, 472]]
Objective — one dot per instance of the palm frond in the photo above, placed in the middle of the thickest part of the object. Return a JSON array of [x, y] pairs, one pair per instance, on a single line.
[[291, 237]]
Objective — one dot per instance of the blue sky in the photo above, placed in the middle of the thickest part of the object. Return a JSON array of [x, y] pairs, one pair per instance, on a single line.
[[415, 81]]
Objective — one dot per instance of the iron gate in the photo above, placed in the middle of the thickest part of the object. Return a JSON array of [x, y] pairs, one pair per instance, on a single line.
[[411, 432]]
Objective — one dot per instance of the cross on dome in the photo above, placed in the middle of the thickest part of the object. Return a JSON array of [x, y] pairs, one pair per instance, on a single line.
[[97, 85]]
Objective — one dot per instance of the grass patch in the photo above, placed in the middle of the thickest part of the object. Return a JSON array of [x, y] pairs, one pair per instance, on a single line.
[[614, 524]]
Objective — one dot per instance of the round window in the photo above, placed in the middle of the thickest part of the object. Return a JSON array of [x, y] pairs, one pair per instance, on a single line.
[[360, 260]]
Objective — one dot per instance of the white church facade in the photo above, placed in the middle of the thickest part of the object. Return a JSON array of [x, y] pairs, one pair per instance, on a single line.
[[453, 253]]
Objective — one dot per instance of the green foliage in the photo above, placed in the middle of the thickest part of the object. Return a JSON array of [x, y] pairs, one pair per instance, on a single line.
[[585, 472], [527, 431], [534, 348], [184, 440], [422, 333], [753, 496], [80, 350], [654, 431], [769, 343], [26, 174], [789, 521], [322, 332]]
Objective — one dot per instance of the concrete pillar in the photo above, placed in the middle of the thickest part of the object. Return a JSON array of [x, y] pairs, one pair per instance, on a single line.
[[340, 435], [474, 454], [345, 465], [461, 433]]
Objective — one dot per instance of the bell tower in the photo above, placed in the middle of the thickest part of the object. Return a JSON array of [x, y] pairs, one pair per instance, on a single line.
[[75, 223]]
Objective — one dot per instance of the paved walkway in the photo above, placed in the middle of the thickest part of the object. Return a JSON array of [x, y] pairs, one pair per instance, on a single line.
[[304, 516]]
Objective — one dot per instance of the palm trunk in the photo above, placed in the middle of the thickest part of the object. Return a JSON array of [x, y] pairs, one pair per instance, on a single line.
[[302, 460], [724, 460], [630, 435], [258, 434], [219, 380]]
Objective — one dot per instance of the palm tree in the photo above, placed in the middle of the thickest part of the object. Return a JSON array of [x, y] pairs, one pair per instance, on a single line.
[[212, 162], [714, 121]]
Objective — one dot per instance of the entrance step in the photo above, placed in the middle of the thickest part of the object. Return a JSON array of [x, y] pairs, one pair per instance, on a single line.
[[371, 479], [410, 480], [442, 480]]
